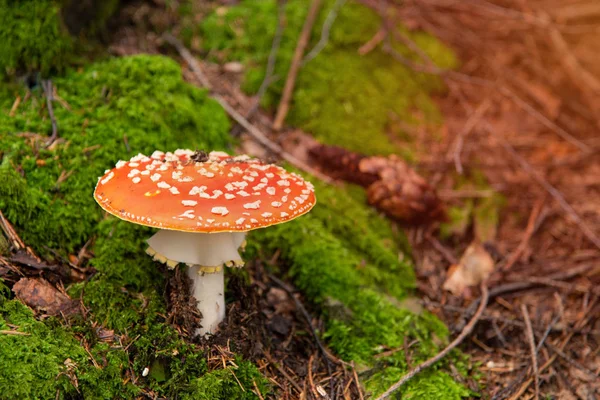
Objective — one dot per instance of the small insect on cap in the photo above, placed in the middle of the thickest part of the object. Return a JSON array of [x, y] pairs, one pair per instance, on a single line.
[[198, 192]]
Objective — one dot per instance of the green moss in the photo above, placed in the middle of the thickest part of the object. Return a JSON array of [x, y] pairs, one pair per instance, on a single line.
[[234, 382], [140, 102], [32, 37], [33, 366], [340, 96], [345, 259]]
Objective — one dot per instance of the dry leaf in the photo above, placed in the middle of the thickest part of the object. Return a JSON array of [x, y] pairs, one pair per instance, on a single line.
[[42, 296], [474, 267]]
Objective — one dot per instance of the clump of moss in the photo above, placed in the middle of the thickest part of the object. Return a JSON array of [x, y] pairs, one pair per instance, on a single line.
[[109, 111], [340, 96], [32, 37], [344, 258]]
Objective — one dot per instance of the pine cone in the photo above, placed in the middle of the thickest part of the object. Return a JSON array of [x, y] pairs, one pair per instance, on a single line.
[[341, 164], [392, 186]]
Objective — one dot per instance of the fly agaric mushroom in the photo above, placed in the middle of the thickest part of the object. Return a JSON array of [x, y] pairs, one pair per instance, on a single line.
[[203, 205]]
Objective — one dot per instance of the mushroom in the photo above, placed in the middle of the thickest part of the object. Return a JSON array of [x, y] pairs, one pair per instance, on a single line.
[[203, 205]]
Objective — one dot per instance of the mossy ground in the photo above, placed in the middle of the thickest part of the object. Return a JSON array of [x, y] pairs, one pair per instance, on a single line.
[[140, 102], [32, 37], [342, 98], [348, 261]]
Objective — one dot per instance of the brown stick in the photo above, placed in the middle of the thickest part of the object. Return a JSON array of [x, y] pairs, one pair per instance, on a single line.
[[252, 130], [459, 339], [534, 359], [288, 89], [47, 86], [514, 257]]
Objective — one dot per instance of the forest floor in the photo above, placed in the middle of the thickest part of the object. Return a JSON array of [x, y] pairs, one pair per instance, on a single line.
[[516, 161], [520, 111]]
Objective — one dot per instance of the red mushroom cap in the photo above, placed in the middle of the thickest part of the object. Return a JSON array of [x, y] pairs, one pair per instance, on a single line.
[[195, 192]]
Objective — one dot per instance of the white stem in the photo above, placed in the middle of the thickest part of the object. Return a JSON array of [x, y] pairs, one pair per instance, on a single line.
[[205, 254], [209, 290]]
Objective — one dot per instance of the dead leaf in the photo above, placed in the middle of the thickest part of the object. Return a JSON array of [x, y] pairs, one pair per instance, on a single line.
[[40, 295], [474, 267]]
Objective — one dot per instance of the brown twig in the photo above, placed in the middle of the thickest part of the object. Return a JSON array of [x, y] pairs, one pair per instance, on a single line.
[[469, 126], [357, 382], [459, 339], [325, 30], [269, 77], [48, 90], [370, 45], [532, 348], [282, 372], [531, 224], [10, 233], [290, 81], [252, 130], [15, 333], [306, 315], [555, 193]]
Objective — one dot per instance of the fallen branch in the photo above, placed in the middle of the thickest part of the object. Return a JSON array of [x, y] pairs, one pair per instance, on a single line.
[[288, 89], [252, 130], [48, 90], [459, 339]]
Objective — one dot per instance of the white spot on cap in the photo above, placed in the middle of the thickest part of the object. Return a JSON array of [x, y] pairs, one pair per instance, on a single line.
[[210, 220], [163, 185], [220, 210], [197, 190], [133, 173], [243, 193], [108, 178], [284, 214], [283, 182], [248, 178], [134, 164], [176, 175], [189, 203], [145, 172], [287, 190], [121, 164], [216, 194], [240, 221], [188, 214], [266, 214], [269, 175], [271, 190], [155, 177], [276, 204], [252, 206], [136, 179], [209, 175], [229, 196], [157, 155], [173, 190]]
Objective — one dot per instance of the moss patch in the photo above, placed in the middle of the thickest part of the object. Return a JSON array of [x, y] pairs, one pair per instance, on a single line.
[[340, 96], [346, 260], [32, 37], [140, 102]]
